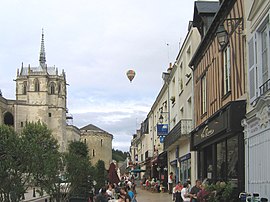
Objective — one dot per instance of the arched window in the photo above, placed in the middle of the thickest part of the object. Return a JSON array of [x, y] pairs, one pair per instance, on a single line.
[[8, 119], [24, 87], [37, 86], [59, 88], [52, 88]]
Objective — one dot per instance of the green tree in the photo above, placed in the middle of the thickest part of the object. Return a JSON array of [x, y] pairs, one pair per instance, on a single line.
[[118, 155], [79, 171], [44, 159], [12, 166], [100, 174]]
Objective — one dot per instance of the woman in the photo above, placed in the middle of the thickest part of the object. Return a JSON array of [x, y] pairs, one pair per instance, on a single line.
[[177, 192]]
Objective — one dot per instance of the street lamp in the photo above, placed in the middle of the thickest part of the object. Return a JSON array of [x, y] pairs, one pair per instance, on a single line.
[[161, 118]]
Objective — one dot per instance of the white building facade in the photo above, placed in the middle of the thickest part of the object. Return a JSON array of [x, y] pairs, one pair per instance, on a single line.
[[257, 122], [181, 160]]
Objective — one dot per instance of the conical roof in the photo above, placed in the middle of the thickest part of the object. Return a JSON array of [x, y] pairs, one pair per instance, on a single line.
[[91, 127]]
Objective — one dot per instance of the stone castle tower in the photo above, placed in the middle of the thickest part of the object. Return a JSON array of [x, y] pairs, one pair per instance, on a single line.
[[99, 144], [41, 95]]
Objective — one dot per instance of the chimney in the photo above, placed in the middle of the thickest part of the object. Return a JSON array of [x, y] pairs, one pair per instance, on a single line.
[[170, 68]]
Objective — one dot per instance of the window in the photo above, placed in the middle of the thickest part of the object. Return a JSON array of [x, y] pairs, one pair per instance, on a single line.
[[36, 85], [24, 88], [94, 153], [50, 114], [52, 88], [264, 57], [59, 88], [84, 141], [185, 170], [203, 94], [21, 124], [101, 142], [226, 70], [259, 61]]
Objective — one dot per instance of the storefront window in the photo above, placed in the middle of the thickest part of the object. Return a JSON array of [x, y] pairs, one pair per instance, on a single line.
[[185, 170], [209, 162], [232, 152], [221, 161]]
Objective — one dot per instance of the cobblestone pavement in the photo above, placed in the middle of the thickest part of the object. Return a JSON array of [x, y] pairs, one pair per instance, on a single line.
[[148, 196]]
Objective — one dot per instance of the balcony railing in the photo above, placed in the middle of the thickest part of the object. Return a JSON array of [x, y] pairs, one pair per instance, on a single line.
[[265, 87], [183, 127]]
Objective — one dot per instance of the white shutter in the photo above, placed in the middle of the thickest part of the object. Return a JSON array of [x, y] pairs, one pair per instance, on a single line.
[[252, 69]]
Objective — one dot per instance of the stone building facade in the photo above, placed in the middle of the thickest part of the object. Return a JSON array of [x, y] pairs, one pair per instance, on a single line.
[[41, 95]]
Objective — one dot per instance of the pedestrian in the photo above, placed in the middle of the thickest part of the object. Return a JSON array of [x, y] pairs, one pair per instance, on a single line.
[[131, 194], [184, 193], [195, 190], [170, 182], [177, 192], [124, 195]]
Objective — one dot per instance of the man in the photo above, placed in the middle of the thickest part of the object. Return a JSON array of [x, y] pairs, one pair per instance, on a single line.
[[195, 190], [170, 182]]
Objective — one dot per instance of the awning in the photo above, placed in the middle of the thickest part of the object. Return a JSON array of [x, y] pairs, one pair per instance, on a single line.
[[137, 170]]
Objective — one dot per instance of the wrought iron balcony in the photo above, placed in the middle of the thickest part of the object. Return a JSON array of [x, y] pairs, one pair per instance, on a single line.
[[183, 127], [265, 87]]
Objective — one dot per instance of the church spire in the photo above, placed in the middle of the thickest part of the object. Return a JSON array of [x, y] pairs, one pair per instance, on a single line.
[[42, 57]]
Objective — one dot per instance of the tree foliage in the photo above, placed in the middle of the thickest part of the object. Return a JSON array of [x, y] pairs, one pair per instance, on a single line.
[[118, 155], [12, 167], [79, 171], [100, 174], [27, 159]]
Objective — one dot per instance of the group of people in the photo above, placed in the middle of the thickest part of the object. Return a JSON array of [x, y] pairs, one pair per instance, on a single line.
[[185, 193], [124, 191], [153, 184]]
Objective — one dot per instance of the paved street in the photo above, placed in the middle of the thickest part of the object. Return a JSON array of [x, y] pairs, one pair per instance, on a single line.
[[144, 196]]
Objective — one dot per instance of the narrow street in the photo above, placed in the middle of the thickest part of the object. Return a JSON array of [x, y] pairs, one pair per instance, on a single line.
[[144, 196]]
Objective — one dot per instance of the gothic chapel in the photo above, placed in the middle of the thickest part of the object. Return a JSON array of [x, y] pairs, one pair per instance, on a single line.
[[41, 95]]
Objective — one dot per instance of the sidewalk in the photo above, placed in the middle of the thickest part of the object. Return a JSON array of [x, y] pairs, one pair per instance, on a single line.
[[29, 196], [145, 195]]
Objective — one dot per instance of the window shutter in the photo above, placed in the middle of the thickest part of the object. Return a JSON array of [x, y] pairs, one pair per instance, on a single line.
[[252, 69]]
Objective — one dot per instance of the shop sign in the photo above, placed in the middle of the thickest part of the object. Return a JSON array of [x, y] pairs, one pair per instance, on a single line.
[[207, 132], [162, 129], [185, 157]]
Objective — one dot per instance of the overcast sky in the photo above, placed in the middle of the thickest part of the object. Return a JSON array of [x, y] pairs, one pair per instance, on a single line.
[[96, 42]]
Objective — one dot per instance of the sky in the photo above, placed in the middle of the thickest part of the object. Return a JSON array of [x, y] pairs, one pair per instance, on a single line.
[[96, 42]]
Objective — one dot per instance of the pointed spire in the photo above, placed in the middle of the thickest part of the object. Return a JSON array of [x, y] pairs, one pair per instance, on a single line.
[[42, 58]]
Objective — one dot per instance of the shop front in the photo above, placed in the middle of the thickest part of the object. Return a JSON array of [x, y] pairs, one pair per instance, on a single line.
[[219, 142]]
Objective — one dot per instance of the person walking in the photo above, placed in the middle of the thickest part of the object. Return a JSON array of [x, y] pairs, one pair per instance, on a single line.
[[170, 182]]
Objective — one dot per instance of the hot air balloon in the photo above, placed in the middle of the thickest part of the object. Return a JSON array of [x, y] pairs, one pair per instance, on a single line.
[[131, 74]]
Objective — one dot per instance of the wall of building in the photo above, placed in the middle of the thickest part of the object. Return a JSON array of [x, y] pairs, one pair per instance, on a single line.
[[99, 146]]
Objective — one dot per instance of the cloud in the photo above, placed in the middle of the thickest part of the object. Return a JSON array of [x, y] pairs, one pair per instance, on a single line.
[[96, 42]]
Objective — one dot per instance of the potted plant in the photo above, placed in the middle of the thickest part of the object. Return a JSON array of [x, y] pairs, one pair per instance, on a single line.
[[221, 191]]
